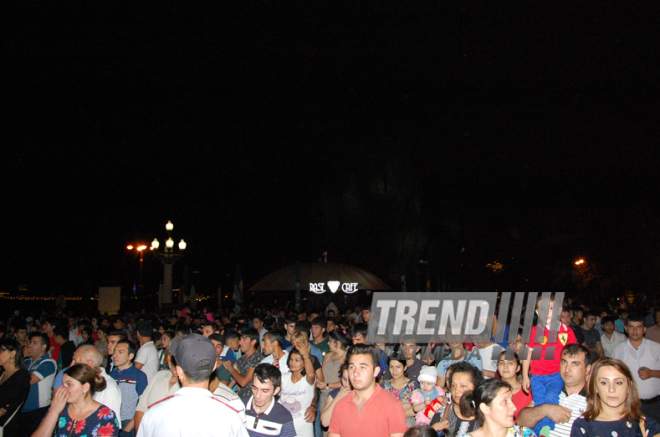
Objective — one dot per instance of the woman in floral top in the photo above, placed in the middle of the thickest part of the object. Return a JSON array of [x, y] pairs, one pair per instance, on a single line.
[[83, 416], [494, 408], [401, 387]]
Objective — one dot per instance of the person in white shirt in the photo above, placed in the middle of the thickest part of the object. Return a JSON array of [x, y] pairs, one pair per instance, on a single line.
[[490, 354], [611, 338], [147, 356], [272, 348], [642, 356]]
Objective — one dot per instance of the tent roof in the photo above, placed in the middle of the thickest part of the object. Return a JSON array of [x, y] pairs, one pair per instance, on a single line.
[[285, 278]]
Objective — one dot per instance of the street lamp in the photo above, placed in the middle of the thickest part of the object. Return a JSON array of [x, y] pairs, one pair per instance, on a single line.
[[167, 256], [140, 249]]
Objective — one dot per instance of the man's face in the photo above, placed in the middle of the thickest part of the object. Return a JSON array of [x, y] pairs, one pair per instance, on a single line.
[[263, 392], [361, 371], [246, 344], [207, 330], [590, 322], [366, 313], [218, 347], [121, 357], [573, 370], [331, 326], [266, 345], [359, 339], [635, 330], [409, 350], [608, 327], [112, 342], [578, 314], [21, 334], [36, 348], [312, 316], [565, 318], [118, 324], [72, 323], [47, 328], [317, 331], [290, 328], [257, 324], [233, 344]]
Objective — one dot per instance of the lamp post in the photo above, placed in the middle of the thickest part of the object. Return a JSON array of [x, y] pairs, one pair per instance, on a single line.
[[140, 249], [167, 256]]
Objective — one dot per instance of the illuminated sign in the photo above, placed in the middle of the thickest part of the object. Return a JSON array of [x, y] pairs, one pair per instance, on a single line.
[[333, 286]]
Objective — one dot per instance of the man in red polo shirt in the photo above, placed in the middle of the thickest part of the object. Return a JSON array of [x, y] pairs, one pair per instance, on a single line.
[[368, 409]]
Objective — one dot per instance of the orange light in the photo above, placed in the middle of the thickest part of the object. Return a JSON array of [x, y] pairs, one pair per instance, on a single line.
[[129, 247], [141, 248], [578, 262]]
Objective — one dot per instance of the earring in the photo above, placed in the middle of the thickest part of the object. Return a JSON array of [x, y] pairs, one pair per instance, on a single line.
[[84, 394]]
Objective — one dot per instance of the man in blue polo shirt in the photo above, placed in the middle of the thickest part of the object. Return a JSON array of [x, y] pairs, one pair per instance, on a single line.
[[42, 370], [131, 382], [265, 416]]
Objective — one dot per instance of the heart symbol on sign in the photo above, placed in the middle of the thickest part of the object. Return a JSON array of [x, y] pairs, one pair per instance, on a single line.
[[333, 285]]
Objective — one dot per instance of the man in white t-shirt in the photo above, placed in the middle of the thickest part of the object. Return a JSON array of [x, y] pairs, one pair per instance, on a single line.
[[490, 355], [272, 348], [611, 338], [147, 356], [642, 356]]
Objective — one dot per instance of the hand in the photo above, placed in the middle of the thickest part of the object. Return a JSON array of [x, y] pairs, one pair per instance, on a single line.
[[525, 384], [59, 400], [276, 363], [342, 392], [3, 411], [227, 365], [644, 374], [557, 413], [427, 401], [321, 385], [310, 414], [441, 425]]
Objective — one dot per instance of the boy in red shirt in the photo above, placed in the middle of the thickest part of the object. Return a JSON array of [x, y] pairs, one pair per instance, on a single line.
[[546, 382]]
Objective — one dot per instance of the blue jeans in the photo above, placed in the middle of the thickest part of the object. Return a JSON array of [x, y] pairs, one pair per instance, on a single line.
[[546, 390]]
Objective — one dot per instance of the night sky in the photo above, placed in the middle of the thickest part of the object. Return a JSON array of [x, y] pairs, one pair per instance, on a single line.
[[382, 132]]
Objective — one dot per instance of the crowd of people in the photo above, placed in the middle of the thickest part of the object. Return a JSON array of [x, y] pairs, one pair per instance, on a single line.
[[267, 372]]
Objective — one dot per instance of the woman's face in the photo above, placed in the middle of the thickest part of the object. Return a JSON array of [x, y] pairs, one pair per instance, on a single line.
[[161, 329], [460, 383], [164, 341], [612, 387], [74, 388], [502, 410], [101, 335], [84, 336], [95, 322], [296, 363], [396, 369], [507, 368], [345, 382], [6, 356]]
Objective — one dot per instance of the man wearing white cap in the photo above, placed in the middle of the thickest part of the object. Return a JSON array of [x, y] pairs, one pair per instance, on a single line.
[[192, 411]]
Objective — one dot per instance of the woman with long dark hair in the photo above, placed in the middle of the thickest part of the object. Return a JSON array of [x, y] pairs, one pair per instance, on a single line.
[[459, 418], [14, 384], [73, 412], [494, 408], [613, 405], [298, 391]]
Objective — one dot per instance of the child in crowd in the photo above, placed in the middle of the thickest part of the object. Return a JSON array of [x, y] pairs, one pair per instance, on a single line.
[[428, 395], [546, 383]]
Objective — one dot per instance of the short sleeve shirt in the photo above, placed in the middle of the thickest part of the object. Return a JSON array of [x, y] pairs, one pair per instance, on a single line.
[[40, 393], [243, 364], [620, 428], [545, 366], [148, 356]]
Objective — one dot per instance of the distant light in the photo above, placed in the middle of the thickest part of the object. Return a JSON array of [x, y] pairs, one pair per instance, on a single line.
[[169, 226], [578, 262], [129, 247], [182, 245], [169, 243], [155, 244], [141, 248]]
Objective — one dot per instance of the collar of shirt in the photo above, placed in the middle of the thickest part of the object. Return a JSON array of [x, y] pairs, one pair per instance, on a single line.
[[583, 392], [193, 392], [268, 410], [373, 396]]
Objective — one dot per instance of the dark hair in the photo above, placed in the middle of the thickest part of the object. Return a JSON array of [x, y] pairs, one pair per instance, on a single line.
[[168, 334], [52, 321], [360, 328], [217, 337], [503, 355], [45, 341], [290, 319], [61, 331], [144, 328], [337, 335], [465, 367], [231, 335], [12, 345], [131, 347], [303, 326], [574, 349], [88, 330], [118, 333], [634, 317], [589, 313], [484, 393], [606, 319], [268, 372], [86, 375], [397, 357], [320, 321], [252, 334], [421, 431], [199, 375], [364, 349], [258, 317], [292, 352], [274, 337]]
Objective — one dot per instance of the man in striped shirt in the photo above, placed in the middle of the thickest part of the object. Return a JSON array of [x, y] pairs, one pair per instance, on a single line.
[[574, 368], [131, 382]]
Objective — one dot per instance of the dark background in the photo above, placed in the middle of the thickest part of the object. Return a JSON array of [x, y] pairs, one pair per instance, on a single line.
[[457, 133]]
